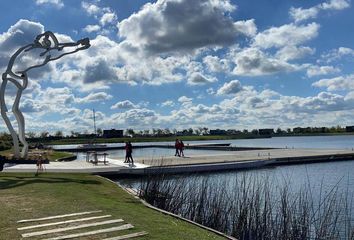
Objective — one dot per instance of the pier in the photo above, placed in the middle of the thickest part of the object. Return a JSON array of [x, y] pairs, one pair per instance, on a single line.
[[235, 160]]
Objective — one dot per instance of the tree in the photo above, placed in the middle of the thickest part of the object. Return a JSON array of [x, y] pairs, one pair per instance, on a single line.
[[255, 132], [44, 134], [129, 132], [205, 131], [99, 132], [190, 131], [279, 131], [58, 133], [74, 134], [31, 134]]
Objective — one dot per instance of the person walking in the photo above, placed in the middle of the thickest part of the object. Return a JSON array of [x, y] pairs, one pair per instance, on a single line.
[[130, 152], [126, 152], [181, 147], [177, 146]]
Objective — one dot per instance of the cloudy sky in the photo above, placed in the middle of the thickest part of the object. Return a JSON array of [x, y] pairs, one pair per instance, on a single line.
[[182, 63]]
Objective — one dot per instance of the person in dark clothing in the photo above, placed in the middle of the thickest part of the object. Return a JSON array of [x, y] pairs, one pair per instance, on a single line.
[[177, 144], [128, 153], [181, 147]]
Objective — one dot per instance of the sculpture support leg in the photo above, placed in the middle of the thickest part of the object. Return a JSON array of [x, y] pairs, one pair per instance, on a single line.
[[21, 123], [7, 120]]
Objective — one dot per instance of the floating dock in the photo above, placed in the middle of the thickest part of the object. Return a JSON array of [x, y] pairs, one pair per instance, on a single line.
[[237, 160]]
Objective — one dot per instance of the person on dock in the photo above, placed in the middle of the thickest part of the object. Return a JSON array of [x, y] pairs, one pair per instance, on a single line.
[[181, 148], [177, 145], [128, 153]]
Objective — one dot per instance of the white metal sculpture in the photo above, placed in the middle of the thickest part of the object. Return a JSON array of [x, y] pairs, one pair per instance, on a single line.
[[48, 42]]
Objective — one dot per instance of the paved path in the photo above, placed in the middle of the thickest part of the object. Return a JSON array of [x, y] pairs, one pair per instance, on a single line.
[[240, 156]]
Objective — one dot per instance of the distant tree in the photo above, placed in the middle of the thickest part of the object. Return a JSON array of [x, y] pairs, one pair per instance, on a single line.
[[197, 131], [174, 131], [146, 132], [205, 131], [154, 131], [58, 133], [288, 130], [245, 131], [279, 131], [31, 134], [74, 134], [44, 134], [254, 132], [99, 131], [167, 131], [159, 132], [130, 132], [190, 131]]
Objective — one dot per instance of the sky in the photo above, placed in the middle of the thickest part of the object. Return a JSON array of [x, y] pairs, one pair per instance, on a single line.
[[184, 64]]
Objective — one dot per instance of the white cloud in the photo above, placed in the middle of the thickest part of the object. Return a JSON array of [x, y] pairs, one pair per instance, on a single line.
[[335, 5], [247, 27], [215, 64], [156, 28], [124, 105], [92, 28], [108, 18], [253, 62], [91, 8], [321, 70], [231, 87], [184, 99], [94, 97], [198, 78], [55, 3], [293, 52], [337, 83], [337, 54], [300, 14], [168, 103], [285, 35]]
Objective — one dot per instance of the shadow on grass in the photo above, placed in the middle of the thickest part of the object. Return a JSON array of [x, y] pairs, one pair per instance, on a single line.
[[12, 182]]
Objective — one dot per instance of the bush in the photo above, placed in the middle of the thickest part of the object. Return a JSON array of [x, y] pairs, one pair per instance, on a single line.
[[5, 145]]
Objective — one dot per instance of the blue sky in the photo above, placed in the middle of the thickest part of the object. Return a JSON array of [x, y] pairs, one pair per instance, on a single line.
[[181, 64]]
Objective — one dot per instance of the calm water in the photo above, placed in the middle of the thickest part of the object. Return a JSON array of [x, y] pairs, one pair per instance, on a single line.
[[319, 176], [342, 142], [329, 174]]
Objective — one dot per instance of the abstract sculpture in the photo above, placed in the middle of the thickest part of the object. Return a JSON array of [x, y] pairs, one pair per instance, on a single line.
[[48, 42]]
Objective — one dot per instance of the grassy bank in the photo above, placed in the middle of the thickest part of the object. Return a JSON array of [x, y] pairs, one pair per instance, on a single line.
[[24, 196], [51, 154]]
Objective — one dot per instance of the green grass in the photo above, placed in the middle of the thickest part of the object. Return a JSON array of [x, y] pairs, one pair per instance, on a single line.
[[55, 155], [24, 196]]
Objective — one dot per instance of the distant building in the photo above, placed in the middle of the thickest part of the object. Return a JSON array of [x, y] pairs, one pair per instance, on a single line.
[[217, 132], [349, 128], [266, 131], [113, 133]]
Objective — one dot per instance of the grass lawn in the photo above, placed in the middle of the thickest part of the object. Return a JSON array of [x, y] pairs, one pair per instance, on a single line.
[[23, 196]]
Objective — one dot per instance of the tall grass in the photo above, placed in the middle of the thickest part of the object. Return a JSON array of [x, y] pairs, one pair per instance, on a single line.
[[250, 207]]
